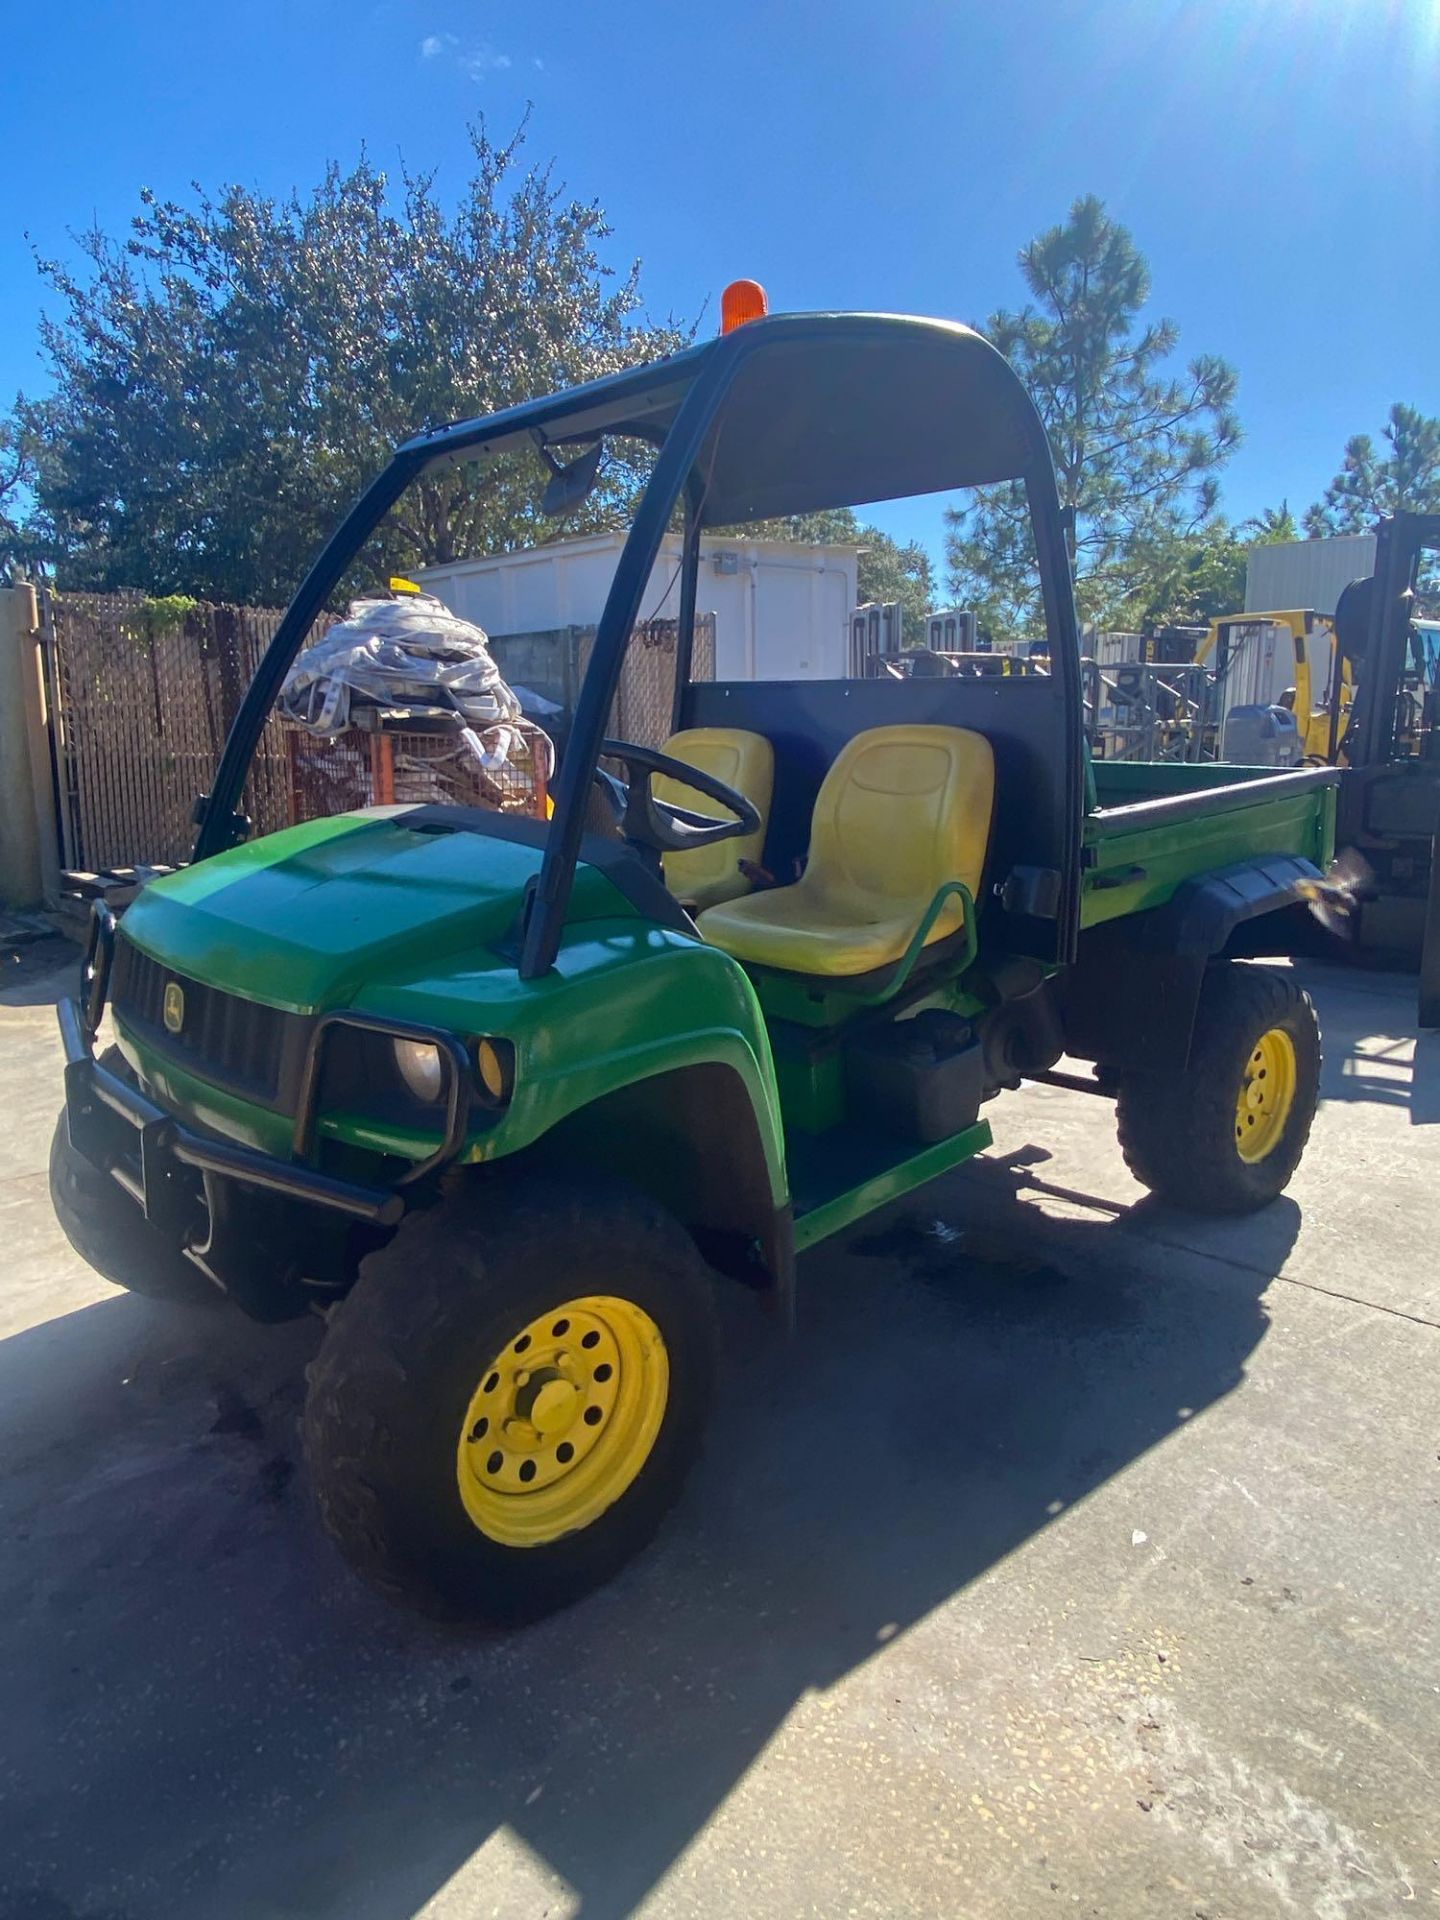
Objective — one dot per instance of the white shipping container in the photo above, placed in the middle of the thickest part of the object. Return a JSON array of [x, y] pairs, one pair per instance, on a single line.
[[1114, 649], [781, 610]]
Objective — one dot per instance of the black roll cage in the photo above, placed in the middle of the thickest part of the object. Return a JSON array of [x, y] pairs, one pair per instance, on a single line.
[[912, 440]]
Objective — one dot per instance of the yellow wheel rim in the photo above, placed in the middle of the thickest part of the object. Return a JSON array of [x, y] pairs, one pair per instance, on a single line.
[[562, 1420], [1267, 1093]]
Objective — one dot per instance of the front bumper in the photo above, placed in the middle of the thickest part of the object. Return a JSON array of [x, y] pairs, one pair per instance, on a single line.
[[120, 1131], [142, 1148]]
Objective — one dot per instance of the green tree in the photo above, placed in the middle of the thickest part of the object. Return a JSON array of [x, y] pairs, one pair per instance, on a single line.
[[887, 569], [1271, 526], [1136, 444], [1372, 481], [892, 571], [229, 376], [16, 473], [1194, 576], [1186, 579]]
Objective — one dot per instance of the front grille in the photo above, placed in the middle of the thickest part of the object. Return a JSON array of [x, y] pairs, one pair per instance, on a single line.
[[238, 1044]]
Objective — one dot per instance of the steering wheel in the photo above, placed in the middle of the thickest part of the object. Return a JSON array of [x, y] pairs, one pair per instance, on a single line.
[[659, 825]]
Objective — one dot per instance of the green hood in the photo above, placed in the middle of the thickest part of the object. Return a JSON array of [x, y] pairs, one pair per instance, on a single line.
[[301, 919]]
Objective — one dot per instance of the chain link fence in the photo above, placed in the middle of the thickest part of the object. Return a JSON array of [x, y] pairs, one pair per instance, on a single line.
[[141, 695]]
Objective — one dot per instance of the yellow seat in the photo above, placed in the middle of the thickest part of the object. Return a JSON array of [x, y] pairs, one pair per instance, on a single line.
[[902, 811], [745, 761]]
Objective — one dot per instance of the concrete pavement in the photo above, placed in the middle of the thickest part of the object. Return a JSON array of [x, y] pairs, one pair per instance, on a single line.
[[1079, 1558]]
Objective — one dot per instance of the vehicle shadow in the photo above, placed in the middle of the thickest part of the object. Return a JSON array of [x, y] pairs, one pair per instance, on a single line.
[[207, 1714], [1374, 1049]]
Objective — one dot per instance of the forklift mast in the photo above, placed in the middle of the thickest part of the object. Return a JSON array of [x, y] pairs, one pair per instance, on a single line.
[[1389, 802], [1400, 540]]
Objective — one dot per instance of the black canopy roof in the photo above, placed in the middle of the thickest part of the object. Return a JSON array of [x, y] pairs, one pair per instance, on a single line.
[[822, 410]]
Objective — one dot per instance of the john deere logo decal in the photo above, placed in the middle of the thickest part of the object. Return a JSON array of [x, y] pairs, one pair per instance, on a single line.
[[174, 1007]]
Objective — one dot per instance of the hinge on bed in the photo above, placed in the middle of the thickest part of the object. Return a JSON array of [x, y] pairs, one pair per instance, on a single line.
[[1031, 890]]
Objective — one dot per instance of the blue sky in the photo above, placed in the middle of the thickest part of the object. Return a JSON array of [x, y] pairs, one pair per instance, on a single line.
[[1276, 159]]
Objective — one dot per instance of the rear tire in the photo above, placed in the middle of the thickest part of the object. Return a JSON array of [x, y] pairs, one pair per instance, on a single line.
[[108, 1230], [1191, 1136], [438, 1314]]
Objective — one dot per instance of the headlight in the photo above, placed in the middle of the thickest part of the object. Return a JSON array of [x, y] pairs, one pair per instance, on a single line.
[[420, 1068]]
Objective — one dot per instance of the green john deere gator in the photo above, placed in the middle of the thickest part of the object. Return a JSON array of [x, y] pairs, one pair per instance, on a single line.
[[503, 1096]]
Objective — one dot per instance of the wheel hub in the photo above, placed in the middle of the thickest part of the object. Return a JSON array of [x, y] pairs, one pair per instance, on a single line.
[[1266, 1096], [549, 1405], [562, 1420]]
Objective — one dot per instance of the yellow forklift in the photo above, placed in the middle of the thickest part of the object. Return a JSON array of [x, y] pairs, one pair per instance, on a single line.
[[1322, 701], [1367, 700], [1386, 742]]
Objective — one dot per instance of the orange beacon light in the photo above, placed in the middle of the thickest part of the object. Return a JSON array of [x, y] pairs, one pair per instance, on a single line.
[[742, 301]]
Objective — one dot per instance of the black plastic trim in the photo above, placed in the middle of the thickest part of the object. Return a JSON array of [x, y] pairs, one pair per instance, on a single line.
[[246, 1046], [1201, 914], [99, 959], [619, 863], [1129, 1001]]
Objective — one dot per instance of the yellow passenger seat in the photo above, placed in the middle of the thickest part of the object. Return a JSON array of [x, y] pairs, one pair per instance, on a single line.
[[745, 761], [902, 811]]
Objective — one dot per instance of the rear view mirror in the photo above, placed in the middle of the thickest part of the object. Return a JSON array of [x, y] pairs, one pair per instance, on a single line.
[[569, 487]]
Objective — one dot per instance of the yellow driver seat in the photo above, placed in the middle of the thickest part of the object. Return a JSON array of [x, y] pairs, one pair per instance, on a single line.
[[745, 761], [902, 811]]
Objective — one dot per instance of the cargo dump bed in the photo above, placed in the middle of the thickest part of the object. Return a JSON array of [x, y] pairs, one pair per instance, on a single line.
[[1150, 827]]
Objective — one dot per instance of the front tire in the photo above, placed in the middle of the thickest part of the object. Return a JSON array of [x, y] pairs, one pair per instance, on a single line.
[[1225, 1134], [508, 1401]]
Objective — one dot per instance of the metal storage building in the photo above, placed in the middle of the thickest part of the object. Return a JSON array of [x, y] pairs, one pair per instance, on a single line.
[[1305, 573]]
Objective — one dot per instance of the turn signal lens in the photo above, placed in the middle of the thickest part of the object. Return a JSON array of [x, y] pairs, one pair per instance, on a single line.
[[494, 1064], [741, 302]]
